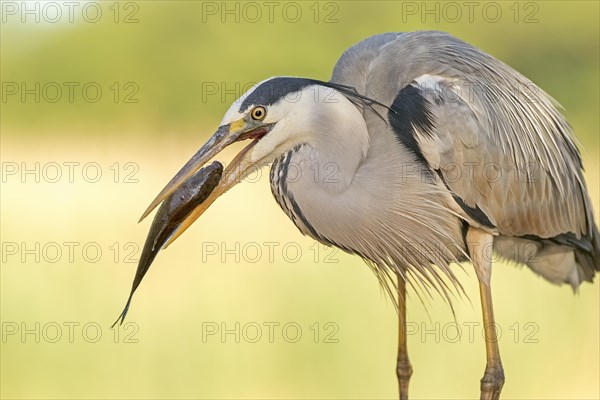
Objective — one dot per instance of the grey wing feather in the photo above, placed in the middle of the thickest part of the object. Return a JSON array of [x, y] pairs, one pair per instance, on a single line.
[[499, 142]]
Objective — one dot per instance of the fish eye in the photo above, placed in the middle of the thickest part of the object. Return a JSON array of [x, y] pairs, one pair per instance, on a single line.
[[258, 113]]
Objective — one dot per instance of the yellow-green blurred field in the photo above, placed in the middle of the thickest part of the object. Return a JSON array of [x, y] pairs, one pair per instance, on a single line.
[[185, 63]]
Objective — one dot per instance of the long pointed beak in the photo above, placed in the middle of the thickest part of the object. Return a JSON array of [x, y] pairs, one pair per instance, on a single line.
[[225, 135], [232, 175]]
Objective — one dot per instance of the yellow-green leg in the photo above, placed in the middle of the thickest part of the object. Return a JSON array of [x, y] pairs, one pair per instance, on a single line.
[[403, 368], [479, 244]]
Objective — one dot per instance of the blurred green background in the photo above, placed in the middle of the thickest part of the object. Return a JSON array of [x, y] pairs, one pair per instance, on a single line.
[[129, 91]]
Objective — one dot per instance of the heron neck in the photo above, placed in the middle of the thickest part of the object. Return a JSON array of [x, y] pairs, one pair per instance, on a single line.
[[339, 147], [343, 199]]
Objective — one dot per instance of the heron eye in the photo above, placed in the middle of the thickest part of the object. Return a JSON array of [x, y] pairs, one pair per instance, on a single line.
[[258, 113]]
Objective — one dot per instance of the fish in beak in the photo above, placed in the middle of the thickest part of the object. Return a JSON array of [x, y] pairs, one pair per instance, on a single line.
[[242, 129], [192, 192]]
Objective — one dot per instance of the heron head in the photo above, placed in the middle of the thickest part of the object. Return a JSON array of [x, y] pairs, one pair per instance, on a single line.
[[275, 116]]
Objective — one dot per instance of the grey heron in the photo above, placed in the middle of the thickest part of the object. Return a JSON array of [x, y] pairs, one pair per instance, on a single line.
[[441, 154]]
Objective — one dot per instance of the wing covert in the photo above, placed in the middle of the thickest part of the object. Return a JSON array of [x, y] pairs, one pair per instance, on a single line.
[[498, 141]]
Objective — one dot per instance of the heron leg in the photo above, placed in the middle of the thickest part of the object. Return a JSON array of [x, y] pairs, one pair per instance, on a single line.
[[479, 244], [403, 367]]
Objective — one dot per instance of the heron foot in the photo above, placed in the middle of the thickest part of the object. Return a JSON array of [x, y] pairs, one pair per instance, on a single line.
[[492, 382], [404, 371]]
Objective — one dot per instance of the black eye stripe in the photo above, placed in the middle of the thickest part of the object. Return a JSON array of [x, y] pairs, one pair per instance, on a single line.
[[274, 89]]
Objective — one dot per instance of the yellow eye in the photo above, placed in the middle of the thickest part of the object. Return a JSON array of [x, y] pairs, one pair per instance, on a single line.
[[258, 113]]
